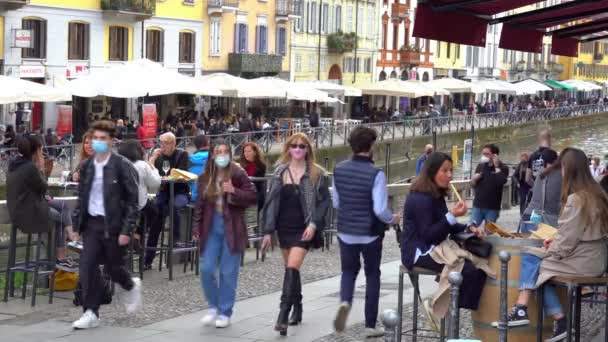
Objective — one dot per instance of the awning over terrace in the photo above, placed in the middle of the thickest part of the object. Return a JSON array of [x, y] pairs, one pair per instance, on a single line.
[[568, 23]]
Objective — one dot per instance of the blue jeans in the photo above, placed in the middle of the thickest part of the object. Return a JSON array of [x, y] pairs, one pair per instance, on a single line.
[[216, 254], [530, 266], [479, 215]]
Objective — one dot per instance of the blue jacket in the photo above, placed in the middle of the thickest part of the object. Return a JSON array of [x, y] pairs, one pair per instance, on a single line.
[[420, 163], [424, 225], [197, 166]]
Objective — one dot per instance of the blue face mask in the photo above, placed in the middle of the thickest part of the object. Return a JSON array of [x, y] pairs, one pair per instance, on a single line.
[[222, 161], [100, 147]]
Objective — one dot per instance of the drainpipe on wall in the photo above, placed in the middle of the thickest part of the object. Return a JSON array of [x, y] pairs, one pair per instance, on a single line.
[[319, 44], [356, 39]]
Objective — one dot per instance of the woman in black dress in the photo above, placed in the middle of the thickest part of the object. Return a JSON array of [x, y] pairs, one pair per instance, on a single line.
[[296, 208]]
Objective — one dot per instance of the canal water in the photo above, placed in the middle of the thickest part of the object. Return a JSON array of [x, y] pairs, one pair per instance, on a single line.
[[592, 140]]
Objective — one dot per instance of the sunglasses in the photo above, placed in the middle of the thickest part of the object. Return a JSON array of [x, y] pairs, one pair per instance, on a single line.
[[300, 146]]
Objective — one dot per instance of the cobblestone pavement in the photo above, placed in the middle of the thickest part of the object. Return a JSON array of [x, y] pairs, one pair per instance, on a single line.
[[592, 321], [592, 316], [164, 299]]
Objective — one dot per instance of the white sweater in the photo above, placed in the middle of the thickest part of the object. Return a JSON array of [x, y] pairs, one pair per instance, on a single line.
[[149, 181]]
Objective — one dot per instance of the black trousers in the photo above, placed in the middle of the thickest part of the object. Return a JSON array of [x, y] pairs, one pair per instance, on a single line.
[[97, 251], [473, 281]]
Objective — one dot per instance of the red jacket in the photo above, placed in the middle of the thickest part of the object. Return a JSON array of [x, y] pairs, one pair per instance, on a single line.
[[244, 196]]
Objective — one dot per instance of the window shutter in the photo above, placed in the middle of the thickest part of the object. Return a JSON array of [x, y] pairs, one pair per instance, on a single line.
[[161, 46], [246, 39], [42, 38], [236, 38], [87, 32], [258, 43]]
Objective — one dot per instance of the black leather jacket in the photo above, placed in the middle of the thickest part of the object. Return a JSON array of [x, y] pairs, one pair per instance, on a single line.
[[120, 196]]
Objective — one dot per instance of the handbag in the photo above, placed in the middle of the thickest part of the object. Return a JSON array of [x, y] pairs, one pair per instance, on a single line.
[[473, 244]]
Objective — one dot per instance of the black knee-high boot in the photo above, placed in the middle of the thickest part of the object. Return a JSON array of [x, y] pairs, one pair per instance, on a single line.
[[296, 314], [286, 301]]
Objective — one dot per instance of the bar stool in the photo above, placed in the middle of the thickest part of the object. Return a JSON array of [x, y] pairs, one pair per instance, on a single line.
[[414, 275], [573, 311], [37, 267], [191, 248]]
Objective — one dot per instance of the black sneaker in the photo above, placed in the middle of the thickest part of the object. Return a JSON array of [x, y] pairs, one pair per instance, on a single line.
[[66, 265], [517, 317], [560, 329]]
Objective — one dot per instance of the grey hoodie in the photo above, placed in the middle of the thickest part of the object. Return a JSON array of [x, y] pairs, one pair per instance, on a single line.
[[552, 197]]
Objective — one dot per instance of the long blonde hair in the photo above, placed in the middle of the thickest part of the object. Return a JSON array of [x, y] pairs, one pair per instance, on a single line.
[[314, 169], [578, 180]]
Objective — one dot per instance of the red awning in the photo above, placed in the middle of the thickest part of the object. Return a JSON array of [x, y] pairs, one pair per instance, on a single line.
[[486, 8], [465, 21], [426, 27], [564, 46], [521, 39], [552, 18]]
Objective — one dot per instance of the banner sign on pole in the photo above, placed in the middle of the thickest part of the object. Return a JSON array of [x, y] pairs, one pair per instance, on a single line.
[[467, 158], [64, 120], [150, 120]]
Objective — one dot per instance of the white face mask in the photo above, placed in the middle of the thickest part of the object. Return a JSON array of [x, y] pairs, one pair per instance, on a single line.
[[484, 159]]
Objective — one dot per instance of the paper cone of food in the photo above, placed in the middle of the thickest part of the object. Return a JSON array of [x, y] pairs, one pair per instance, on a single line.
[[543, 232], [182, 175], [494, 228]]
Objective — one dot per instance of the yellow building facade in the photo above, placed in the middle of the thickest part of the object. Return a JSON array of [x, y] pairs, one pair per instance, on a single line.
[[248, 38], [448, 60], [323, 45], [590, 65]]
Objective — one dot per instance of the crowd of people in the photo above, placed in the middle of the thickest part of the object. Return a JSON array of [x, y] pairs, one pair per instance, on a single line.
[[560, 189]]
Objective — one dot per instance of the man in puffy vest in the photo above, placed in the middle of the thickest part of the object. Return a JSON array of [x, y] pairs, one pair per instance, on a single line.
[[359, 194]]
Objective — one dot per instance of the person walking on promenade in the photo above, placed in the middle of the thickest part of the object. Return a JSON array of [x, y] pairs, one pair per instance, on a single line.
[[106, 215], [428, 149], [167, 155], [198, 160], [519, 179], [219, 225], [253, 161], [489, 179], [536, 163], [545, 202], [296, 208], [359, 194], [578, 248]]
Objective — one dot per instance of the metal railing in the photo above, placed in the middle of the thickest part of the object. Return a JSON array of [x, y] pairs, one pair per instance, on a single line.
[[135, 6], [335, 132]]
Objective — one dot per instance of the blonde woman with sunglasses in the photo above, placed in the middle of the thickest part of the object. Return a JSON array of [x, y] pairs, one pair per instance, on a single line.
[[296, 208]]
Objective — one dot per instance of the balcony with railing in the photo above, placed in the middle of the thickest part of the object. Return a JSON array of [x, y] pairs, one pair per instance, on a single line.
[[399, 11], [485, 71], [339, 42], [129, 9], [409, 55], [254, 64], [287, 9], [7, 5], [221, 6]]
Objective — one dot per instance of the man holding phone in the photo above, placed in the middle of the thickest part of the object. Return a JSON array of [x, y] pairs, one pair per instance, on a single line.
[[489, 179]]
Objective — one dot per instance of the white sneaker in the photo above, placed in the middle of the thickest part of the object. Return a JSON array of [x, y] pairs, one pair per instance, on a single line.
[[341, 316], [209, 318], [133, 302], [374, 332], [222, 321], [87, 321]]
